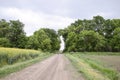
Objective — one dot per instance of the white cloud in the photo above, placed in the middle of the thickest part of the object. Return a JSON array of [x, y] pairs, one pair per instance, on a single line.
[[103, 14], [35, 20]]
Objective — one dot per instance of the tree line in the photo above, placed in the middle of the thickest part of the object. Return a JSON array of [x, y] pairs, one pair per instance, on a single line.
[[12, 34], [97, 34]]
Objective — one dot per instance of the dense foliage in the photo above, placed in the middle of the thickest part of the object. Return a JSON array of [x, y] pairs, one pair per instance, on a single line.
[[12, 35], [44, 39], [98, 34]]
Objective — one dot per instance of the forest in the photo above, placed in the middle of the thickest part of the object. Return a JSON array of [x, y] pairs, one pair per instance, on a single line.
[[97, 34], [12, 35]]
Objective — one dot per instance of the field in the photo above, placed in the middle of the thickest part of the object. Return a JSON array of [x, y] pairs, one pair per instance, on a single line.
[[13, 59], [96, 66], [91, 65], [109, 61], [13, 55]]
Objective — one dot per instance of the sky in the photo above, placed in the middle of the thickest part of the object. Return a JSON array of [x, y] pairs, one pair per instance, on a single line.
[[56, 14], [62, 44]]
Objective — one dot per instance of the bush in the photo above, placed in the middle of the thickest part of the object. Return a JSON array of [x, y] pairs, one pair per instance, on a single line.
[[4, 42]]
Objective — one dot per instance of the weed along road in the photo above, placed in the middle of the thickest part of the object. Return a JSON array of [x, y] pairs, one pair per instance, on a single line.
[[57, 67]]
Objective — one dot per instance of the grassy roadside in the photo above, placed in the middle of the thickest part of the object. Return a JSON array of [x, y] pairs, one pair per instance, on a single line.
[[111, 73], [92, 70], [99, 53], [4, 71]]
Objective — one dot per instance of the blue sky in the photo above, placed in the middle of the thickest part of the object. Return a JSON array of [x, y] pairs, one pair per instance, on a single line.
[[56, 14]]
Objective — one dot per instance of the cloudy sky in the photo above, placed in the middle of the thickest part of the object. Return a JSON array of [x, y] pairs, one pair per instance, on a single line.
[[56, 14]]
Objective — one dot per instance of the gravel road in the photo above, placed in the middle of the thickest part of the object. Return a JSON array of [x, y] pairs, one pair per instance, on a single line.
[[56, 67]]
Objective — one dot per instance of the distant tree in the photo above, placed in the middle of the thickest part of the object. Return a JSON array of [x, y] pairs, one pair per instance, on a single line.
[[44, 42], [91, 41], [44, 39], [71, 42], [97, 34], [32, 43], [52, 34], [3, 28], [16, 34], [115, 41], [4, 42]]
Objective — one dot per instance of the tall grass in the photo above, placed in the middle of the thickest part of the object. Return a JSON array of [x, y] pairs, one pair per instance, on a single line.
[[12, 59], [98, 53], [7, 69], [13, 55], [93, 69], [109, 72], [86, 69]]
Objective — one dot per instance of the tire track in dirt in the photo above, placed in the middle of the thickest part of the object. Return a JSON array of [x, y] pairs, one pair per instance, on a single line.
[[57, 67]]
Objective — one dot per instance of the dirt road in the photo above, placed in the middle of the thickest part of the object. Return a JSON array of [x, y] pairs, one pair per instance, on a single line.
[[57, 67]]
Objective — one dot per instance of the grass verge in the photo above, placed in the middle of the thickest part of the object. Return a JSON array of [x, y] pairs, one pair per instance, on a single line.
[[98, 53], [7, 69], [86, 69], [111, 73]]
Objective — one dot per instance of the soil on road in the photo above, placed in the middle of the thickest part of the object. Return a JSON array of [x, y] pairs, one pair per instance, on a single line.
[[57, 67]]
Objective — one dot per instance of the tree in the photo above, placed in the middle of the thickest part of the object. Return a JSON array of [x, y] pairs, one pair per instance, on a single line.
[[91, 41], [4, 42], [3, 28], [32, 43], [44, 42], [115, 41], [82, 35], [55, 43], [71, 42], [16, 34]]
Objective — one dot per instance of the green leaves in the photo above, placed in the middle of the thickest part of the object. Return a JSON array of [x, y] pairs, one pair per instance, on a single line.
[[4, 42], [13, 33], [44, 39], [97, 34], [115, 41]]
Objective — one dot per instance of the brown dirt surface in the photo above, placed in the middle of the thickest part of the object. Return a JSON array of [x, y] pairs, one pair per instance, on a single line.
[[109, 60], [57, 67]]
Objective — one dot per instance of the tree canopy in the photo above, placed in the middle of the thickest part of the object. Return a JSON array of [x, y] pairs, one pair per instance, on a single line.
[[97, 34], [44, 39], [12, 35]]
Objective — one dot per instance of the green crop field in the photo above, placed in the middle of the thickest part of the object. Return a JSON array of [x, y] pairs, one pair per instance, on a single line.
[[12, 55], [13, 59]]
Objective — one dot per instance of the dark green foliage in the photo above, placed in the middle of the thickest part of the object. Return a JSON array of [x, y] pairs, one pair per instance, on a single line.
[[44, 39], [13, 35], [4, 42], [3, 28], [16, 34], [52, 34], [115, 41], [97, 34]]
